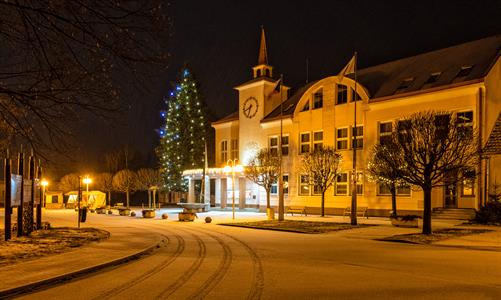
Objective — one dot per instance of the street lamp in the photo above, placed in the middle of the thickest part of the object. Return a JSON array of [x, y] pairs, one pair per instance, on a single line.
[[87, 180], [44, 184], [232, 167]]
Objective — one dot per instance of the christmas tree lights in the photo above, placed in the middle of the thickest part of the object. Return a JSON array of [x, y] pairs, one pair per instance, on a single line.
[[182, 138]]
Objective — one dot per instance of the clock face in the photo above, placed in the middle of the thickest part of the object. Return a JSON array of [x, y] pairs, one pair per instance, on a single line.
[[250, 107]]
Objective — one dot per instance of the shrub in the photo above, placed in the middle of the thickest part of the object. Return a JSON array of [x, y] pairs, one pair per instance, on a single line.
[[489, 214]]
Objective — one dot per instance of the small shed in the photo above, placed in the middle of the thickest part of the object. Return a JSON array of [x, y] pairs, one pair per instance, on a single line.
[[54, 200], [92, 200]]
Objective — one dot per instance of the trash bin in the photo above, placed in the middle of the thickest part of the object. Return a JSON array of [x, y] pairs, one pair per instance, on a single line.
[[83, 214]]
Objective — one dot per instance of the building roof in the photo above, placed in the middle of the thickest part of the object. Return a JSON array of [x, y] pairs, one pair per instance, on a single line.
[[231, 117], [263, 53], [493, 145], [415, 73], [288, 105]]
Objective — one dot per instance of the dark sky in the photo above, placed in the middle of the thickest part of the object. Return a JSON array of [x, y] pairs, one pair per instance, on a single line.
[[219, 40]]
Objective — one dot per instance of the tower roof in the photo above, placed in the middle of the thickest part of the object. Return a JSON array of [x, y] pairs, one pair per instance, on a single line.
[[263, 53]]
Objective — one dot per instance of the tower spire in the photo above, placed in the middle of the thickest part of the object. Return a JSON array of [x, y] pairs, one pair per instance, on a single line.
[[263, 54]]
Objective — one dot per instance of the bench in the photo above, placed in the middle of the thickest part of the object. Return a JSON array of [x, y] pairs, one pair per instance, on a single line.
[[361, 211], [296, 209]]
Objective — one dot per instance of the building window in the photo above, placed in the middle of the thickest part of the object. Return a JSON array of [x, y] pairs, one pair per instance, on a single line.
[[385, 132], [304, 185], [285, 182], [306, 106], [404, 85], [341, 184], [355, 96], [285, 145], [318, 140], [305, 143], [274, 189], [224, 151], [285, 179], [318, 99], [273, 145], [464, 122], [358, 137], [360, 183], [342, 138], [316, 189], [468, 184], [384, 190], [342, 94], [234, 149]]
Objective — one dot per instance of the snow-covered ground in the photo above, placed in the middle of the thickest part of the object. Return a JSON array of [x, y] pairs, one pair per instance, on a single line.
[[209, 261]]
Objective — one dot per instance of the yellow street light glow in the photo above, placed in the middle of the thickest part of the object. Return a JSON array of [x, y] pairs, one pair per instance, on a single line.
[[87, 180], [227, 169], [239, 168], [44, 182]]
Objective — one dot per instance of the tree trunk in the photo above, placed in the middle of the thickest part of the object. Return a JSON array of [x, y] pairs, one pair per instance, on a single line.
[[427, 210], [127, 195], [109, 198], [393, 191], [268, 203], [323, 204]]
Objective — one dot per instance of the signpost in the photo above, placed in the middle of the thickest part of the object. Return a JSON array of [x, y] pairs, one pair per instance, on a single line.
[[8, 196]]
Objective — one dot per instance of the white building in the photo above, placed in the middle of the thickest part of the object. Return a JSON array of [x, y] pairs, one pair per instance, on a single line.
[[463, 79]]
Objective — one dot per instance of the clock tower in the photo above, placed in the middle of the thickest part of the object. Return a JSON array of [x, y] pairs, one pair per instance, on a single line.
[[257, 99]]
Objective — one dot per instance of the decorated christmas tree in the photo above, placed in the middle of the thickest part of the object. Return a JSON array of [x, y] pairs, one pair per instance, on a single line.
[[183, 137]]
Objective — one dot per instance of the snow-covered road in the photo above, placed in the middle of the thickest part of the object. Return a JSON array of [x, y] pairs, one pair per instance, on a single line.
[[209, 261]]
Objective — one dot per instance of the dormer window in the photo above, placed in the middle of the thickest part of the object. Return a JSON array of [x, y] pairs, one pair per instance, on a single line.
[[433, 78], [463, 72], [405, 84], [342, 94], [318, 99]]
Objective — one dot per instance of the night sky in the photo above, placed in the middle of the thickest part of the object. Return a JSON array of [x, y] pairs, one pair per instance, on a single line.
[[219, 41]]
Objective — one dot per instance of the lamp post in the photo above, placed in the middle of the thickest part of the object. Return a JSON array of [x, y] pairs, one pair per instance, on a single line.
[[87, 180], [44, 184], [232, 167]]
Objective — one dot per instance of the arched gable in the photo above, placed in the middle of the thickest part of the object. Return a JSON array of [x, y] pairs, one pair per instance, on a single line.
[[306, 98]]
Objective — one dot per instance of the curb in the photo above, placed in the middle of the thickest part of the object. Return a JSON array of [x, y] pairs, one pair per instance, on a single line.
[[28, 288]]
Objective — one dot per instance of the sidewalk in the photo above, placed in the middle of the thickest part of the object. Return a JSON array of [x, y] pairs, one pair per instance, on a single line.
[[124, 244]]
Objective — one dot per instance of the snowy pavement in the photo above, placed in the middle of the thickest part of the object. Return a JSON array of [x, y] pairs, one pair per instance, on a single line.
[[201, 260]]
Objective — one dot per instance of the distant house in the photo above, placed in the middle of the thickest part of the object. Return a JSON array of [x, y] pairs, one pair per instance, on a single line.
[[54, 200]]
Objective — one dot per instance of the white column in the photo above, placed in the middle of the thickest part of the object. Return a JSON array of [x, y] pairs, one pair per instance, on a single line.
[[241, 191], [207, 190], [191, 190]]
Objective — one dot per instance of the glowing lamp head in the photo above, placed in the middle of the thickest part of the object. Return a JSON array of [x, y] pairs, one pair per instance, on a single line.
[[87, 180], [239, 168], [227, 169], [44, 182]]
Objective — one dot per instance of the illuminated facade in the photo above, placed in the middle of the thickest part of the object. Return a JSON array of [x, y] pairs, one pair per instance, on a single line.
[[463, 79]]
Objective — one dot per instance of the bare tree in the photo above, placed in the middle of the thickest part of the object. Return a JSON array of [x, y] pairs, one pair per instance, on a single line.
[[263, 169], [430, 149], [125, 181], [148, 178], [69, 182], [321, 166], [104, 182], [62, 59], [382, 169]]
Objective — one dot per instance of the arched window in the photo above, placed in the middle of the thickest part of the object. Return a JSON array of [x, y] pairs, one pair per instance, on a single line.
[[258, 73], [267, 73]]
